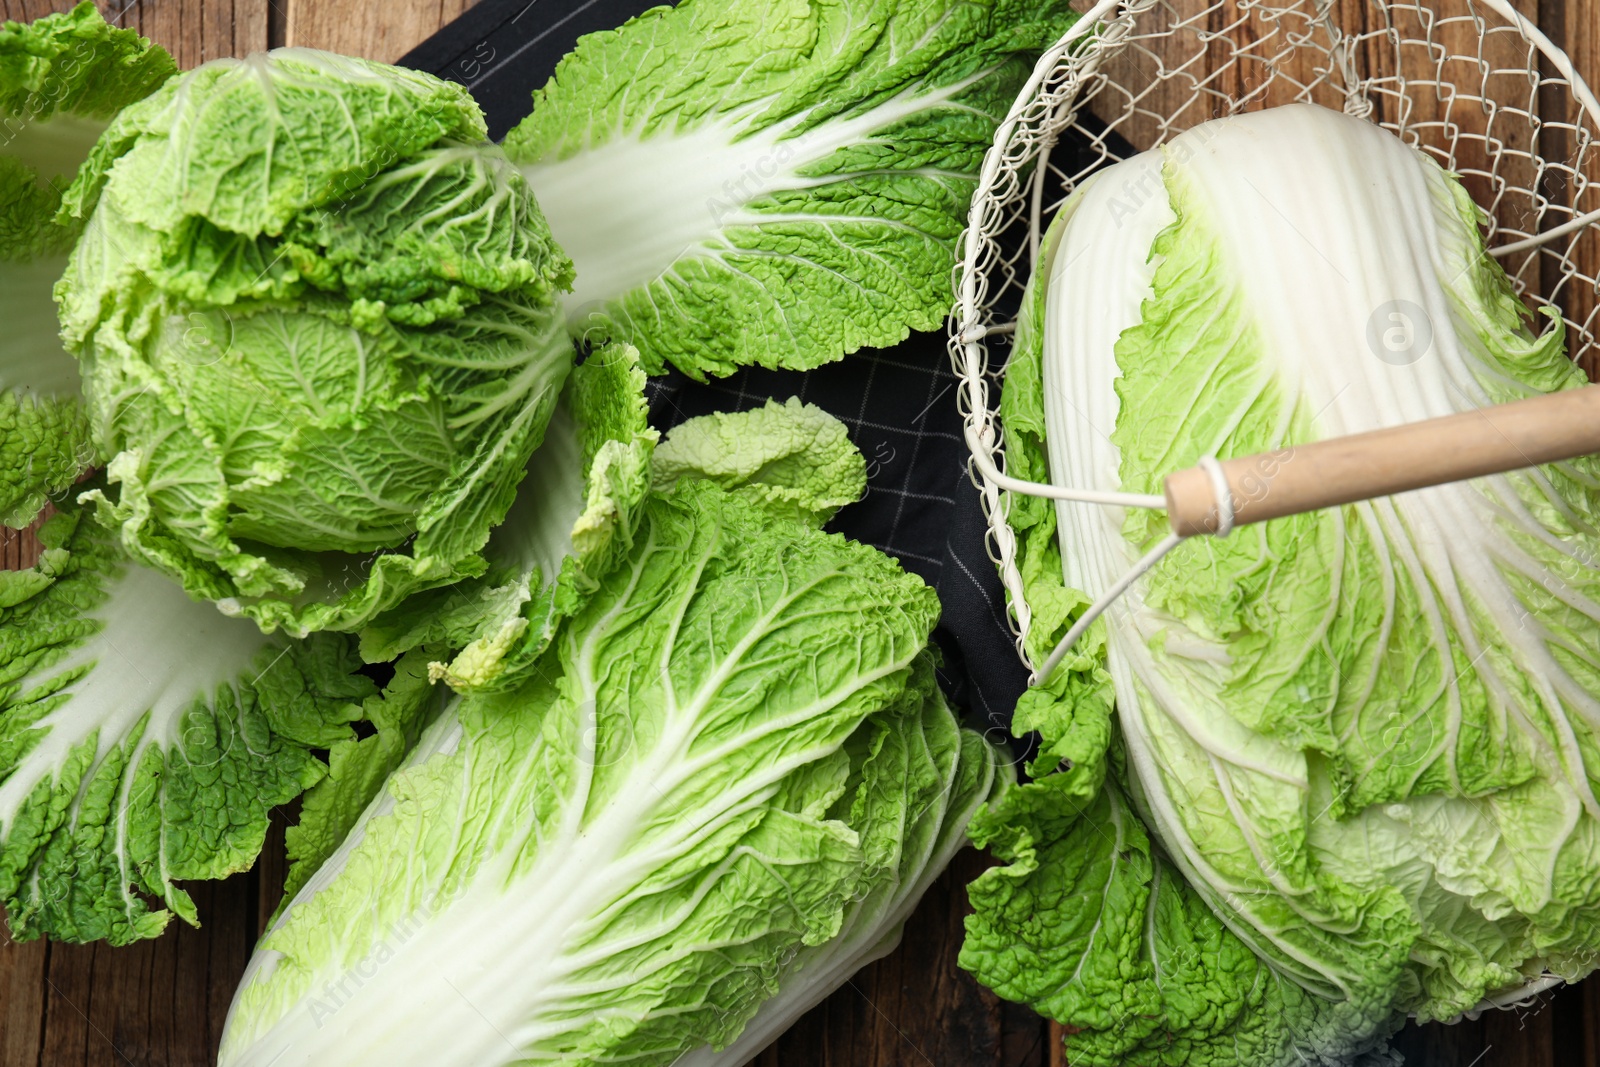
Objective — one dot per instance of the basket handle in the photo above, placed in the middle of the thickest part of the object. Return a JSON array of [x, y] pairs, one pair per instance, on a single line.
[[1342, 470]]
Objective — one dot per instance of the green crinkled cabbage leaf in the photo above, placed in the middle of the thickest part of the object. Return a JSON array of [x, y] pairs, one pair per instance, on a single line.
[[315, 313], [779, 183], [1089, 924], [62, 78], [44, 446], [358, 767], [721, 791], [573, 520], [794, 459], [143, 738]]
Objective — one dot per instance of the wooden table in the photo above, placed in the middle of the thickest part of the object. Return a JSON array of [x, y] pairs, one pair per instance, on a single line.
[[162, 1003]]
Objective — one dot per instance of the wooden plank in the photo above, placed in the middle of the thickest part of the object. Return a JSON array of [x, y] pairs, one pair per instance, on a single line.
[[194, 31], [1212, 58], [28, 10], [66, 1029], [23, 10], [1573, 23], [384, 31], [1575, 1020], [158, 1002], [272, 868], [22, 1000], [232, 29], [916, 1007], [1217, 56], [19, 549], [174, 25]]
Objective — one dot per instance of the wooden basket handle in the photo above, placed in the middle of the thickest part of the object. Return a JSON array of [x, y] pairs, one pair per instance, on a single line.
[[1342, 470]]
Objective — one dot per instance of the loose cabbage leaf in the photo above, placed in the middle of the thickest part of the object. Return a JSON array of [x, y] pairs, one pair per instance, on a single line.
[[358, 767], [44, 446], [144, 738], [776, 184], [574, 518], [62, 78], [1087, 923], [793, 458], [725, 783]]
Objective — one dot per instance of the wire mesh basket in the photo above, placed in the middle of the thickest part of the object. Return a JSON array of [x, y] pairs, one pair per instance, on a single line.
[[1471, 82]]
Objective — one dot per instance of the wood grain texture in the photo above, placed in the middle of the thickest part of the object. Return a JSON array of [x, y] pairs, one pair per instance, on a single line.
[[18, 548], [1576, 24], [162, 1003], [1224, 53], [383, 31], [157, 1002], [194, 31], [915, 1007]]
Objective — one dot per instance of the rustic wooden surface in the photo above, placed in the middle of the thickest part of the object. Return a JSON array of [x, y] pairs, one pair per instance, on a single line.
[[162, 1003]]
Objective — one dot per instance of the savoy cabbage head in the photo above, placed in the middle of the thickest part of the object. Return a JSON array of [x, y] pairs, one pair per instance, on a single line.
[[62, 79], [316, 317]]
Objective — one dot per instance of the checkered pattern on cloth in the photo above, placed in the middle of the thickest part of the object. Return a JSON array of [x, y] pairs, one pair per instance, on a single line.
[[899, 403]]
